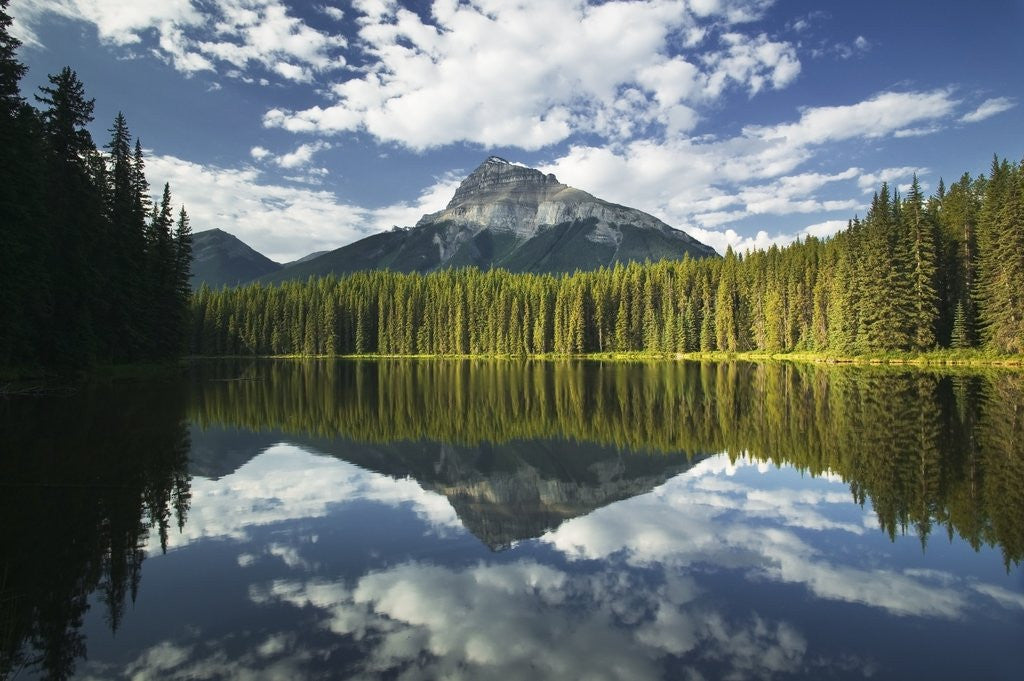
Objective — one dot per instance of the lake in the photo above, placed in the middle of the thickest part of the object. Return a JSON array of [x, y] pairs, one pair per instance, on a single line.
[[400, 519]]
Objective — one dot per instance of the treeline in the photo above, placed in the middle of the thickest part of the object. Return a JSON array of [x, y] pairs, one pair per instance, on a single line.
[[91, 269], [927, 450], [914, 274]]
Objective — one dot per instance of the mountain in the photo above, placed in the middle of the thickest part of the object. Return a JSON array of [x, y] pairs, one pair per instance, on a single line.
[[220, 259], [314, 254], [517, 218]]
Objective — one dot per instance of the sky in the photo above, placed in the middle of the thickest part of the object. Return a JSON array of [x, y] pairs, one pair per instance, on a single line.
[[303, 126]]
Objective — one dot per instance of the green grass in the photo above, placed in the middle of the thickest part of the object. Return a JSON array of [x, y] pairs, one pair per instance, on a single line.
[[931, 358]]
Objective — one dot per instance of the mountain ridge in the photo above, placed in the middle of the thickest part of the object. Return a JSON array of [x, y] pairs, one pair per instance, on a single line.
[[502, 215], [220, 258], [510, 216]]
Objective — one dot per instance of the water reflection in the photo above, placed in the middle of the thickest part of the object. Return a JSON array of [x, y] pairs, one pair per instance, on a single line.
[[925, 449], [86, 478], [508, 520]]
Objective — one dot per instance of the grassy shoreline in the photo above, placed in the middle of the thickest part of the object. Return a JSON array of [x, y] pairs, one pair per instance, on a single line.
[[962, 358]]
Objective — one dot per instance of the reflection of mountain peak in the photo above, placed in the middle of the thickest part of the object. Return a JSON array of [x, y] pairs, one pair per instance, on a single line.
[[501, 493], [508, 507]]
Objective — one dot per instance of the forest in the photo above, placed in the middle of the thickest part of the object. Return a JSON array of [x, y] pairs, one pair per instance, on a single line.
[[92, 270], [915, 274]]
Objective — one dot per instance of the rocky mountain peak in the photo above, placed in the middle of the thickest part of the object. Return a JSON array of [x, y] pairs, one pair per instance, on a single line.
[[498, 178]]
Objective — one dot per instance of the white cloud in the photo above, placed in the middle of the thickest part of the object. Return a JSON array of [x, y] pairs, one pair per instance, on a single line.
[[500, 73], [196, 36], [755, 63], [405, 214], [702, 183], [284, 223], [859, 46], [825, 229], [870, 182], [302, 156], [332, 12], [882, 115], [989, 108], [120, 22], [697, 184]]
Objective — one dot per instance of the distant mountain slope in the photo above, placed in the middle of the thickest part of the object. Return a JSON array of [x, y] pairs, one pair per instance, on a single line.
[[310, 256], [509, 216], [221, 259]]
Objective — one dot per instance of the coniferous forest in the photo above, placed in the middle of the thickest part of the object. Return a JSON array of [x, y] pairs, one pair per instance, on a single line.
[[915, 274], [91, 268]]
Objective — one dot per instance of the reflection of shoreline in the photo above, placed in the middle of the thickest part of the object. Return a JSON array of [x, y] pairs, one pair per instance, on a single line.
[[926, 449]]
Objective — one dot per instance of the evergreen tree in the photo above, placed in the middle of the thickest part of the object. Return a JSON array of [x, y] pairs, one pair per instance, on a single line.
[[924, 311], [11, 70], [75, 219]]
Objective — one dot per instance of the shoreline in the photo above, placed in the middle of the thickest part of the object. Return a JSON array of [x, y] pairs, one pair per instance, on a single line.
[[943, 358]]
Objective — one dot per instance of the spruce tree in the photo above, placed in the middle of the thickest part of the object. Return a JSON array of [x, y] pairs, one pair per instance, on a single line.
[[11, 70], [76, 217], [924, 311]]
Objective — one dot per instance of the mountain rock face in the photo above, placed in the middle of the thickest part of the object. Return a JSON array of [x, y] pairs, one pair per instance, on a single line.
[[517, 218], [504, 197], [220, 259]]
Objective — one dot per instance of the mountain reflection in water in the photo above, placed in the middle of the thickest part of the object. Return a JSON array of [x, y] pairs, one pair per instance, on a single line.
[[491, 519]]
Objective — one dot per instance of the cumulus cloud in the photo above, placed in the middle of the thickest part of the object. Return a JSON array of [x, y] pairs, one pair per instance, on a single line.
[[869, 182], [332, 12], [285, 222], [201, 36], [282, 222], [989, 108], [701, 183], [120, 22], [500, 73], [302, 156], [406, 213]]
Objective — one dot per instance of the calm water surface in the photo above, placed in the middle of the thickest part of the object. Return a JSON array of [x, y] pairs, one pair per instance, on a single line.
[[516, 520]]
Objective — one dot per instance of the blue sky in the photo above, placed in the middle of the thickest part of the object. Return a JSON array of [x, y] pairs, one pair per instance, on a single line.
[[304, 126]]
